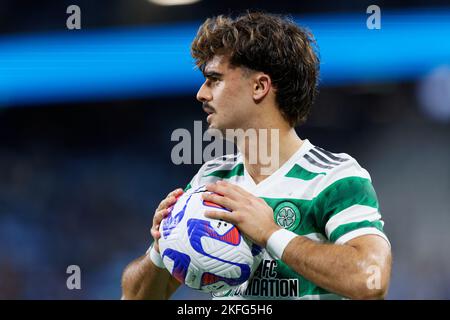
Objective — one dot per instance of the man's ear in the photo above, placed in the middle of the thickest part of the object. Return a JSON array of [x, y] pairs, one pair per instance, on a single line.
[[261, 86]]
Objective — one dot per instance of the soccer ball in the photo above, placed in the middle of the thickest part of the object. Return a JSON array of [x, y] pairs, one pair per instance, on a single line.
[[205, 254]]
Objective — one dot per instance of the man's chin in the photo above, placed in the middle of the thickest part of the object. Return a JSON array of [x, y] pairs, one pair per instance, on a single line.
[[217, 129], [213, 130]]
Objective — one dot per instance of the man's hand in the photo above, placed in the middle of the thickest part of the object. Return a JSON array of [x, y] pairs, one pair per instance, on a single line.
[[161, 212], [250, 214]]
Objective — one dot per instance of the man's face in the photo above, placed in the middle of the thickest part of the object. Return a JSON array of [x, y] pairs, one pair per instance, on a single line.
[[226, 95]]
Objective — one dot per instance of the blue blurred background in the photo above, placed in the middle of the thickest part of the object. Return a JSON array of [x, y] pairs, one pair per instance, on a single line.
[[86, 118]]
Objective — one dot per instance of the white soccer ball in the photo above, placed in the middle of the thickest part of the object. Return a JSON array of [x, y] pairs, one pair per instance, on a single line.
[[205, 254]]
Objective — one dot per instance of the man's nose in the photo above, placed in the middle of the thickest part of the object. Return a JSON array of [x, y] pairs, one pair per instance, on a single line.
[[204, 94]]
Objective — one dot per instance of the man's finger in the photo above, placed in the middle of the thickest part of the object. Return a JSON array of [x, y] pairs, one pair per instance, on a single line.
[[167, 202], [155, 234], [221, 215], [170, 199], [218, 199], [175, 192], [159, 215], [234, 188], [224, 189]]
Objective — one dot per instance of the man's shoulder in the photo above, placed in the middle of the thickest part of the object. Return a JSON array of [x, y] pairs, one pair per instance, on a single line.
[[326, 167]]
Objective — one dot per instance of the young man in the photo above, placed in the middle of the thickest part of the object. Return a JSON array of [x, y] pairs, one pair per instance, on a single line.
[[316, 213]]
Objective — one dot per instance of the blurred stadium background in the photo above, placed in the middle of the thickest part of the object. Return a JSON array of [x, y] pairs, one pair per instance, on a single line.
[[86, 118]]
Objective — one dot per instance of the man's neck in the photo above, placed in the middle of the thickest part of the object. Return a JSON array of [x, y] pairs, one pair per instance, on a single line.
[[278, 149]]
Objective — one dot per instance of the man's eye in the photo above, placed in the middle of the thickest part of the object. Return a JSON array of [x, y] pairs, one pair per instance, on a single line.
[[211, 80]]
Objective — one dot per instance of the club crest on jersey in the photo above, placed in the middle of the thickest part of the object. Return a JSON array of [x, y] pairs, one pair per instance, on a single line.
[[287, 215]]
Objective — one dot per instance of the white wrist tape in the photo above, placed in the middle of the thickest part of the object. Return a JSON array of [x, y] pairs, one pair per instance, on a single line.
[[278, 241], [155, 257]]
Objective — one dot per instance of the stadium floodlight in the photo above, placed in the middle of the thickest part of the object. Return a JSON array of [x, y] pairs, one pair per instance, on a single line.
[[173, 2]]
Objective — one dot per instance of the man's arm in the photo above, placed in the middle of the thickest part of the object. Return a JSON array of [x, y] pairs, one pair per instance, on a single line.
[[143, 280], [344, 269], [340, 268]]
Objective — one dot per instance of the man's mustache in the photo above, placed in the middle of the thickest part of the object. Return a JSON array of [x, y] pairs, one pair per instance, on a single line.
[[208, 107]]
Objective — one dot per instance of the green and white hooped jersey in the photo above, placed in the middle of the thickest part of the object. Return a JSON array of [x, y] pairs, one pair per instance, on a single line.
[[324, 196]]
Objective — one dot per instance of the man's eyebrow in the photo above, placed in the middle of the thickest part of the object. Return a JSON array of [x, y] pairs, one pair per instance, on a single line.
[[212, 74]]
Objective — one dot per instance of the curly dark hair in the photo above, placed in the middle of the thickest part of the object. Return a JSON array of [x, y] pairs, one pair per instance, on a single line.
[[269, 43]]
